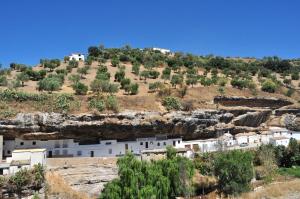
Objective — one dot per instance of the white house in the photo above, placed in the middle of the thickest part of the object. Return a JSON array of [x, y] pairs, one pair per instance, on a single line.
[[77, 57], [99, 148], [277, 141], [162, 50], [25, 158], [249, 138]]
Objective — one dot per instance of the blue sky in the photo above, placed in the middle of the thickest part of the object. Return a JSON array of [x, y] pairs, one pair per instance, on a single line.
[[34, 29]]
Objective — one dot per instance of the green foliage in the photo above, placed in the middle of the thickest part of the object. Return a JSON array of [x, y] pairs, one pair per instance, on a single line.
[[191, 79], [99, 85], [125, 82], [136, 68], [176, 80], [35, 75], [295, 76], [239, 83], [20, 181], [153, 74], [3, 80], [154, 86], [73, 63], [293, 171], [50, 84], [22, 77], [269, 86], [119, 75], [132, 88], [145, 74], [234, 170], [112, 103], [80, 88], [115, 62], [66, 59], [162, 179], [50, 63], [63, 102], [19, 96], [171, 103], [166, 73], [83, 71], [74, 78], [97, 104], [290, 92]]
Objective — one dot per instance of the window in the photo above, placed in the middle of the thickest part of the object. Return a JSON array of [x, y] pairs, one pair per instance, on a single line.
[[79, 153], [109, 151], [141, 143], [158, 144], [22, 143], [3, 143], [56, 152], [108, 143], [165, 143], [8, 152], [33, 143], [174, 143], [178, 141]]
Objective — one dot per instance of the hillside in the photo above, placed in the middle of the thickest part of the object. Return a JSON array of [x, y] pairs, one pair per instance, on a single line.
[[192, 81]]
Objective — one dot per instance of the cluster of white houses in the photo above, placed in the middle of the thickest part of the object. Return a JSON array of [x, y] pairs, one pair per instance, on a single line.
[[25, 153]]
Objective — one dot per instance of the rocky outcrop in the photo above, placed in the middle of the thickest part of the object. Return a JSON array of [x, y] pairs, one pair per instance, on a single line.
[[292, 122], [252, 119], [281, 112], [122, 126], [272, 103]]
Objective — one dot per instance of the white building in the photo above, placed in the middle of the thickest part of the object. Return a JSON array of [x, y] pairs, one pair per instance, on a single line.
[[248, 138], [100, 148], [277, 141], [25, 158], [77, 57], [162, 50]]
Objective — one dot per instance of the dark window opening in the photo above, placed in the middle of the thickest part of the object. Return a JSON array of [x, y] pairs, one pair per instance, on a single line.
[[33, 143]]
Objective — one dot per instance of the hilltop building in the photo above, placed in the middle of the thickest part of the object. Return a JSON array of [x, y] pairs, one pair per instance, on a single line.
[[162, 50], [77, 57]]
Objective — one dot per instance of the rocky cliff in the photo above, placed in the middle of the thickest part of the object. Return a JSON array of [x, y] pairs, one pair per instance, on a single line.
[[129, 125]]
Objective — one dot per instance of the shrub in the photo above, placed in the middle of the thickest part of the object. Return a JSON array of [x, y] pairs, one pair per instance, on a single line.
[[73, 63], [49, 84], [80, 88], [3, 80], [97, 104], [269, 86], [222, 82], [112, 103], [136, 68], [153, 74], [61, 71], [132, 89], [125, 82], [104, 86], [115, 62], [187, 105], [154, 86], [119, 75], [176, 79], [290, 92], [63, 102], [171, 103], [182, 91], [295, 76], [74, 78]]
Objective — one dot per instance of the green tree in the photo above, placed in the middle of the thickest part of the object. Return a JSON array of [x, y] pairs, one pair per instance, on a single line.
[[23, 77], [119, 75], [115, 62], [166, 74], [234, 170], [136, 68], [176, 79], [269, 86], [66, 59], [125, 82], [80, 88], [49, 84], [74, 78]]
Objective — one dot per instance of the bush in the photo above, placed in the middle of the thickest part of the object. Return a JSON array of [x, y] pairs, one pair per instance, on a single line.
[[74, 78], [112, 103], [136, 68], [3, 80], [132, 89], [125, 82], [63, 102], [80, 88], [295, 76], [97, 104], [50, 84], [119, 75], [269, 86], [153, 74], [171, 103], [104, 86], [115, 62]]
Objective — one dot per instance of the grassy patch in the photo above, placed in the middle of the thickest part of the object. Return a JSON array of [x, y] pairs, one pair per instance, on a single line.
[[293, 171]]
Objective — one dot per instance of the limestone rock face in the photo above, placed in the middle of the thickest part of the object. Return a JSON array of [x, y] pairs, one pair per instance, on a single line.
[[252, 119], [273, 103], [122, 126], [292, 122]]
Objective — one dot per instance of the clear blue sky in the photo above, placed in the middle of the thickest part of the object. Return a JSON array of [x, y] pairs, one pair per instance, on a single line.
[[34, 29]]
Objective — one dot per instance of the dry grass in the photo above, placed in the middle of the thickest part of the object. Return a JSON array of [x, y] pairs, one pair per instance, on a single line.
[[59, 188], [278, 189]]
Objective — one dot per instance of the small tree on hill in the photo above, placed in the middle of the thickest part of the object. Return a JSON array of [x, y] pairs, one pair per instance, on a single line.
[[80, 88], [22, 77], [136, 68], [166, 74], [176, 80]]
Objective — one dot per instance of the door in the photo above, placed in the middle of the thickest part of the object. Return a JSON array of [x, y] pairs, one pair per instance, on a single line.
[[50, 154], [146, 145], [92, 153]]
